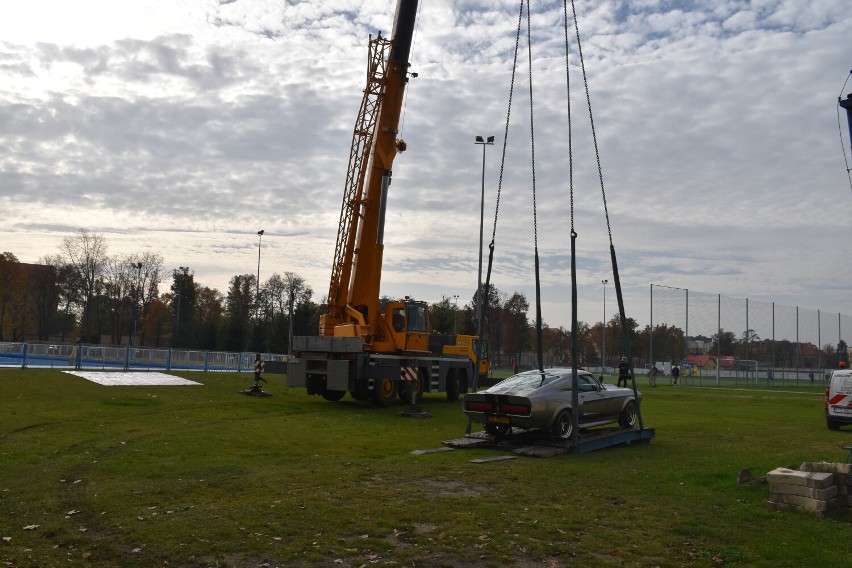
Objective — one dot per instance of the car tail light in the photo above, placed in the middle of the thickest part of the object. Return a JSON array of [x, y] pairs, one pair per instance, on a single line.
[[297, 354], [519, 409], [826, 400], [479, 406]]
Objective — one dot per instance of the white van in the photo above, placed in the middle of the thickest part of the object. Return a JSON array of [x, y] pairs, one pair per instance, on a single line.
[[838, 399]]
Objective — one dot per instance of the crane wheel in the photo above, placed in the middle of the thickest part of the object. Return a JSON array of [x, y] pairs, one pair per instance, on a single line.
[[405, 389], [384, 392], [453, 386], [333, 395]]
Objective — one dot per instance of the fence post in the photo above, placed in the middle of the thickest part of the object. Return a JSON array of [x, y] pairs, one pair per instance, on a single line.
[[126, 357], [718, 336], [773, 343], [819, 343], [26, 347], [206, 359], [686, 328], [798, 346], [169, 359], [651, 335]]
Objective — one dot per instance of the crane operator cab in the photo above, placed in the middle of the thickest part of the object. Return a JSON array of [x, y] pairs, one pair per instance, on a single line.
[[408, 324]]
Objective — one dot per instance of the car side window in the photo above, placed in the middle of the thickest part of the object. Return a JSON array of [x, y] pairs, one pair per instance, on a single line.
[[585, 384]]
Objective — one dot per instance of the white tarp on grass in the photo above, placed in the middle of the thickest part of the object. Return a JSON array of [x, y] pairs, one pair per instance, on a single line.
[[132, 378]]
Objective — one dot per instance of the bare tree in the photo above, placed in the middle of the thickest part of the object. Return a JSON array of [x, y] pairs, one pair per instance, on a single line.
[[147, 274], [86, 255], [47, 293], [120, 273]]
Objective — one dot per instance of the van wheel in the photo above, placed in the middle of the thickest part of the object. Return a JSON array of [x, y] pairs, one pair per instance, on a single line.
[[832, 425]]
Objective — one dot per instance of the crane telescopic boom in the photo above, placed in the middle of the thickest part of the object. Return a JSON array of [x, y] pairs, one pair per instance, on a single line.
[[353, 297]]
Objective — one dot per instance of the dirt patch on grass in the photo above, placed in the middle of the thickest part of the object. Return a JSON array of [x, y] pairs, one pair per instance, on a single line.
[[449, 488]]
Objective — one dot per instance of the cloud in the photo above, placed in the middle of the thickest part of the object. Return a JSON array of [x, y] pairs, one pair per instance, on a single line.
[[188, 126]]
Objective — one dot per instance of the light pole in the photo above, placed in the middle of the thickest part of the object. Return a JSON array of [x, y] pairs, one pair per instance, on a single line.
[[138, 295], [290, 318], [257, 290], [183, 270], [489, 142], [603, 330]]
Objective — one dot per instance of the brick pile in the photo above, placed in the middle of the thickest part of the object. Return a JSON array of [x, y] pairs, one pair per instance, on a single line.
[[817, 488], [842, 478]]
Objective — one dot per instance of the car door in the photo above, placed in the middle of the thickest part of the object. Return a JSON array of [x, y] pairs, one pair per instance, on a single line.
[[592, 398]]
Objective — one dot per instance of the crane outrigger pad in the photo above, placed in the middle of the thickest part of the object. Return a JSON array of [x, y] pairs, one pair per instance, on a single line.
[[414, 411], [255, 391]]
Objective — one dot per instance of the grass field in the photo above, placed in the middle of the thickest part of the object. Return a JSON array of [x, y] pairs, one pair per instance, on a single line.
[[202, 476]]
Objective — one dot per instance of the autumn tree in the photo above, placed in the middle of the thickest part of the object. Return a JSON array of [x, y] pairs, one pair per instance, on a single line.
[[724, 343], [585, 344], [516, 326], [442, 316], [208, 317], [182, 305], [666, 343], [13, 298], [239, 312], [46, 290]]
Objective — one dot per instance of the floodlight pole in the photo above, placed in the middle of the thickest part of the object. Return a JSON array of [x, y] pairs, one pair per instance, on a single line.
[[483, 142], [183, 271], [603, 331], [138, 267], [257, 289]]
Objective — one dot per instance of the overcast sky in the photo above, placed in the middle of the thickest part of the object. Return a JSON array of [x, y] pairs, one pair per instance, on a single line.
[[184, 127]]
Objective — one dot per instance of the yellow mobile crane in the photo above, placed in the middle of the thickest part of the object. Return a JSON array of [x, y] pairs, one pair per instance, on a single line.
[[369, 350]]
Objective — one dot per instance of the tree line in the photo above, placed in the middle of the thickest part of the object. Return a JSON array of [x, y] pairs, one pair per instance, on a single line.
[[83, 293]]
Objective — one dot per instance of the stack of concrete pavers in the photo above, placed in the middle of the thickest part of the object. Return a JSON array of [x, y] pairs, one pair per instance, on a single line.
[[842, 478], [810, 491]]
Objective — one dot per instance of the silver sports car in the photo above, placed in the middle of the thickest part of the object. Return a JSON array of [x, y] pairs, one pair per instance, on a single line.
[[533, 399]]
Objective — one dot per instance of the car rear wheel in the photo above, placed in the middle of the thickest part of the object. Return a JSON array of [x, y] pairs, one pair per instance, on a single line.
[[563, 425], [628, 416], [832, 425]]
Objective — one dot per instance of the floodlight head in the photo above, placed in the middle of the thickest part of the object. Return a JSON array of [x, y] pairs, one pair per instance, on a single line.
[[260, 232], [846, 104], [479, 140], [491, 140]]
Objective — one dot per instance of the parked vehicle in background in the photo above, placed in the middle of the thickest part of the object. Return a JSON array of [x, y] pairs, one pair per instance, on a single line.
[[838, 399], [543, 400]]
